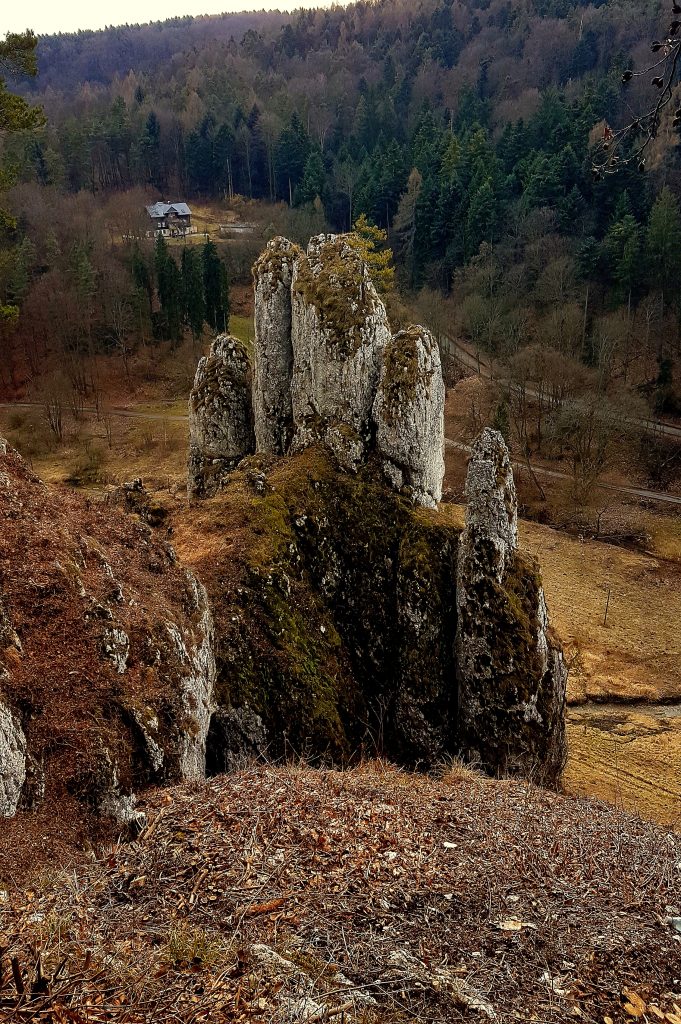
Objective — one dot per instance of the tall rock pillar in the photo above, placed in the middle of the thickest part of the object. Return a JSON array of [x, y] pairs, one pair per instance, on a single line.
[[409, 415], [220, 417], [339, 330], [273, 349], [511, 673]]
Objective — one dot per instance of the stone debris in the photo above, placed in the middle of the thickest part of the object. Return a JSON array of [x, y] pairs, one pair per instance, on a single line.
[[220, 416], [409, 416]]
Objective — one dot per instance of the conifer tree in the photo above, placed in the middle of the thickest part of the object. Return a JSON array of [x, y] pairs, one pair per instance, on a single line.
[[193, 290], [216, 288]]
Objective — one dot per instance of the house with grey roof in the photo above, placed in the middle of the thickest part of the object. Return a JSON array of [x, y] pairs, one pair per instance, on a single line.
[[170, 219]]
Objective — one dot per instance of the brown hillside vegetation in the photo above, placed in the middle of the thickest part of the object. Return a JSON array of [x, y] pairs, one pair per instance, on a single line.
[[369, 897]]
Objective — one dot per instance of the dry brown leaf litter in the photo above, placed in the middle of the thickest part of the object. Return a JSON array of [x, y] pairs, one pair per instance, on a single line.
[[287, 894]]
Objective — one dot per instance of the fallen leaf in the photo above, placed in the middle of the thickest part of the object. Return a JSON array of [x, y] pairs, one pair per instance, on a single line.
[[635, 1006], [513, 925]]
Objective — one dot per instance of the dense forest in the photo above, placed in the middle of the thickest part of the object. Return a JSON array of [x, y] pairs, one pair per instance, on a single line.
[[464, 128]]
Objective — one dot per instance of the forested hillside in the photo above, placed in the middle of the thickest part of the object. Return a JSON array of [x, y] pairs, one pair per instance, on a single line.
[[462, 127]]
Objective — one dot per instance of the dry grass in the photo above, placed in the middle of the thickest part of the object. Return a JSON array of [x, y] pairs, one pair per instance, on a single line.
[[637, 654], [629, 757], [371, 897]]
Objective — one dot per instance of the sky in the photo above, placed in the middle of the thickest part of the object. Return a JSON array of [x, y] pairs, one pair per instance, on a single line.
[[47, 16]]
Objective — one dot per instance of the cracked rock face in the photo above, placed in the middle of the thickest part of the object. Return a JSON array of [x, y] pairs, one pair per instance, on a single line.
[[12, 762], [511, 673], [409, 416], [197, 685], [339, 330], [89, 593], [273, 349], [220, 416]]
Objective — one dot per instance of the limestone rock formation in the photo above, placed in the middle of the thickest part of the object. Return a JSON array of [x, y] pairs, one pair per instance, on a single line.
[[107, 653], [12, 762], [510, 669], [273, 349], [409, 416], [220, 416], [339, 330]]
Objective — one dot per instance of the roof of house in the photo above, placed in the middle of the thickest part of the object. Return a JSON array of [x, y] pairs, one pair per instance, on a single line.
[[163, 209]]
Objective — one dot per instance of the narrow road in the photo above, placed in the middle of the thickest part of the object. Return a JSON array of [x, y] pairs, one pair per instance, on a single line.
[[473, 361], [138, 414], [634, 492], [134, 414]]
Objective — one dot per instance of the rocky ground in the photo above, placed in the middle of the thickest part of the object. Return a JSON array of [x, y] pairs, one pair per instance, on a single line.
[[374, 896]]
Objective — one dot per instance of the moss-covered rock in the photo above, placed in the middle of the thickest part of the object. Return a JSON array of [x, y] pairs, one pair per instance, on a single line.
[[511, 674], [409, 416], [220, 416], [339, 330], [335, 610]]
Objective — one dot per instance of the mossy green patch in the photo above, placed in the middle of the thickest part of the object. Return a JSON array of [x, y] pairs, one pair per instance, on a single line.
[[401, 371], [337, 289]]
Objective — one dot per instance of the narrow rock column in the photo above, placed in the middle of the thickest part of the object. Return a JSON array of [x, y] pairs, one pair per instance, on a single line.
[[409, 416], [339, 330], [273, 350], [510, 669], [220, 416]]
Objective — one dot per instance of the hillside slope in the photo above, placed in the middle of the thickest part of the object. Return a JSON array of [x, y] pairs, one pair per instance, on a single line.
[[374, 897]]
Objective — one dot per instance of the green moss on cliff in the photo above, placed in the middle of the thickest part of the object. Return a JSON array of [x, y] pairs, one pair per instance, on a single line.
[[401, 371], [330, 605], [337, 290]]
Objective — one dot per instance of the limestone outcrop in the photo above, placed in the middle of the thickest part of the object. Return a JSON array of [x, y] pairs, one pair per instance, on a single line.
[[107, 653], [339, 331], [12, 762], [326, 369], [273, 348], [510, 671], [409, 416], [221, 430]]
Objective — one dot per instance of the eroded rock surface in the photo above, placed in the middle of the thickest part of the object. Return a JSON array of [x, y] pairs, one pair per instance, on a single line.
[[510, 669], [409, 416], [339, 330], [12, 761], [220, 416], [273, 349], [110, 644]]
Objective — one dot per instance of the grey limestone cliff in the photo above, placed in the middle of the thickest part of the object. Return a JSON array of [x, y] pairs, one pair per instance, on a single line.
[[339, 330], [273, 349]]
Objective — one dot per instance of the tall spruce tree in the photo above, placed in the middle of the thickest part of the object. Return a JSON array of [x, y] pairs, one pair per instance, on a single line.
[[193, 290], [216, 288], [169, 287]]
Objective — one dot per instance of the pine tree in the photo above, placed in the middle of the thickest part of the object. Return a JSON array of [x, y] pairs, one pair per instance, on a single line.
[[216, 288], [193, 290], [169, 287], [313, 181], [370, 242], [663, 243]]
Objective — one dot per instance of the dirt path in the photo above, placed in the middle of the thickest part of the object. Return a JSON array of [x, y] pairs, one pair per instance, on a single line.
[[141, 414], [473, 361]]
